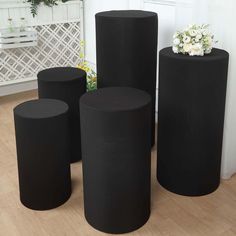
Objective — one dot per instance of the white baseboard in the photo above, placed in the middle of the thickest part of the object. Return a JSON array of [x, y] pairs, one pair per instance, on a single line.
[[17, 87]]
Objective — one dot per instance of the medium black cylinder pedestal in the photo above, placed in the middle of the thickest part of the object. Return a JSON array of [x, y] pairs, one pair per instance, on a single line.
[[127, 52], [67, 84], [116, 152], [42, 138], [192, 93]]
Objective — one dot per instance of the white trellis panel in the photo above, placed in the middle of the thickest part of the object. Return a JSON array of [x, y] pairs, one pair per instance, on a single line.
[[60, 31], [58, 45]]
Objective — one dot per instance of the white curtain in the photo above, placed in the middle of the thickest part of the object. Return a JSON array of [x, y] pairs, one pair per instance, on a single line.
[[220, 14]]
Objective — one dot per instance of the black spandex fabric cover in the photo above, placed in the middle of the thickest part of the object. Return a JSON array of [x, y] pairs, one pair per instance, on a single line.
[[67, 84], [127, 52], [43, 153], [116, 150], [192, 93]]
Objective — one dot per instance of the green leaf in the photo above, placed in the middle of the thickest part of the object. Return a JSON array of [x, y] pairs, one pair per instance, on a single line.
[[35, 4]]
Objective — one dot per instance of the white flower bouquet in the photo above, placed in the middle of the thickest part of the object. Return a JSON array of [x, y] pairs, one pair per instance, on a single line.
[[195, 40]]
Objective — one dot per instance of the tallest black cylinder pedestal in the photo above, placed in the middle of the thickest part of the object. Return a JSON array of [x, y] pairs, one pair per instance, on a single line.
[[127, 51]]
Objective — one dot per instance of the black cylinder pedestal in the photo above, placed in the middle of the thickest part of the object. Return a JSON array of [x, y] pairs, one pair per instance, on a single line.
[[42, 138], [192, 93], [67, 84], [116, 152], [127, 52]]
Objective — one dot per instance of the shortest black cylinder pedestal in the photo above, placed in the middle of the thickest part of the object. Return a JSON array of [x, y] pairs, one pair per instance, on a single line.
[[192, 93], [67, 84], [42, 139], [116, 152]]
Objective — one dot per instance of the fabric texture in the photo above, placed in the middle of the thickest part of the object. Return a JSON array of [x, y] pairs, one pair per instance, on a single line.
[[192, 93], [43, 153], [127, 51], [116, 153], [66, 84]]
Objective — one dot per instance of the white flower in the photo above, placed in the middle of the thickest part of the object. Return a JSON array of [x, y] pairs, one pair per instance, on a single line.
[[187, 47], [186, 39], [208, 51], [199, 36], [192, 32], [176, 41], [205, 32], [196, 50], [181, 45], [175, 49], [208, 40]]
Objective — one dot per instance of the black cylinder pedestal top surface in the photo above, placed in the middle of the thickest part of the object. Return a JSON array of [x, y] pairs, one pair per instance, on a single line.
[[192, 93], [42, 139], [116, 152], [127, 51], [67, 84]]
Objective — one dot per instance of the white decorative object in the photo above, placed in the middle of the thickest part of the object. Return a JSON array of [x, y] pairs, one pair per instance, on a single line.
[[10, 25], [17, 38], [195, 40], [22, 24]]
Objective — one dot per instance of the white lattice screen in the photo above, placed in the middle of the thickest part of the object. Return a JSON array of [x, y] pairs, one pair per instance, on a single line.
[[58, 45]]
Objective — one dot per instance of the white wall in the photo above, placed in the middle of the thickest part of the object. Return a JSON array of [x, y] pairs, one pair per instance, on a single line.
[[229, 142]]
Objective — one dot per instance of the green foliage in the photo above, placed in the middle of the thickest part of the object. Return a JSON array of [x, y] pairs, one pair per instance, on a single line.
[[91, 76], [35, 4]]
